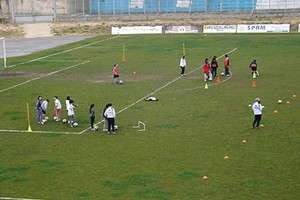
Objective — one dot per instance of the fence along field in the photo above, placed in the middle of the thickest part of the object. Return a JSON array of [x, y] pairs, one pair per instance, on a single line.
[[188, 132]]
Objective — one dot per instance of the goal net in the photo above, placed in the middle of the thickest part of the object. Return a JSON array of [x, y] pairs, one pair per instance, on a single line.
[[2, 53]]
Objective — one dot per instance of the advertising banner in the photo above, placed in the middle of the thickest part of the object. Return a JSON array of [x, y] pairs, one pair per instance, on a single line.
[[181, 29], [219, 29], [263, 28], [136, 30]]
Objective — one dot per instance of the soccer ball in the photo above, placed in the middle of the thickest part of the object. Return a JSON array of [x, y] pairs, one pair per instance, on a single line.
[[55, 118], [279, 101], [95, 127], [222, 74], [75, 124], [116, 127], [120, 81], [64, 121]]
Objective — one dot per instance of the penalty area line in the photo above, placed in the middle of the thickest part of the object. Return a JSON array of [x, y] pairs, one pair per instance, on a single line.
[[155, 91]]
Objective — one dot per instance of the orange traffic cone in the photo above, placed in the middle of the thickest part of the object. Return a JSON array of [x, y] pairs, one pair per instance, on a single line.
[[218, 80], [254, 84]]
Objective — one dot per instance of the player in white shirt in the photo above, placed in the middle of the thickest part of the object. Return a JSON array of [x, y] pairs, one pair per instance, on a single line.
[[44, 107], [257, 110], [110, 115], [182, 65], [57, 108], [71, 113]]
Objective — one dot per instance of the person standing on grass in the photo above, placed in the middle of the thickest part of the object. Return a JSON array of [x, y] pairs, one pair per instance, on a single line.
[[38, 105], [67, 105], [257, 109], [110, 114], [182, 65], [214, 66], [44, 107], [57, 108], [116, 74], [104, 118], [253, 66], [71, 113], [226, 65], [92, 116]]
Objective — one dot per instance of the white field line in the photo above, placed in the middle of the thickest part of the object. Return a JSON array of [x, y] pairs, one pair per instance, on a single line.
[[10, 198], [40, 77], [62, 52], [158, 89], [23, 131], [64, 61], [198, 87]]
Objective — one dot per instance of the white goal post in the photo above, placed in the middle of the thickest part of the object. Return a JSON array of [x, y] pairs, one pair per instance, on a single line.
[[3, 51]]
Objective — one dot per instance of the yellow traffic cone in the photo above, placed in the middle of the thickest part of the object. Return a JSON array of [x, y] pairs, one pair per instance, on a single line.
[[29, 129], [254, 75], [206, 86]]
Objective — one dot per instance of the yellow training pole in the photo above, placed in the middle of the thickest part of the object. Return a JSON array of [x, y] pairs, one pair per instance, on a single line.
[[123, 56], [183, 49], [28, 119]]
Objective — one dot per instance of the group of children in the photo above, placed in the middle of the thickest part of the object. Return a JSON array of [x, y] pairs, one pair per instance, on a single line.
[[42, 106], [210, 72], [209, 68]]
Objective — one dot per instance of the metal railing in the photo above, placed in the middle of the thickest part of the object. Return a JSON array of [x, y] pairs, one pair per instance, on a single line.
[[57, 10]]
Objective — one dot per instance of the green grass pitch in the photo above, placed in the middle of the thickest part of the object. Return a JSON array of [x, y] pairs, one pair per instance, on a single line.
[[188, 131]]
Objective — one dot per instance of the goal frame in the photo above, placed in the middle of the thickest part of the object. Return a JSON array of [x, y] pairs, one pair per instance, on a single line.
[[4, 51]]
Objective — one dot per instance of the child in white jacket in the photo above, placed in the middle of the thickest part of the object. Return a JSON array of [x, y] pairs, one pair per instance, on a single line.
[[257, 110]]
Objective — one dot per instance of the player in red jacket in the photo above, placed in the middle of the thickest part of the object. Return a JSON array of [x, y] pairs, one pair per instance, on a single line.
[[206, 70], [226, 65], [116, 74]]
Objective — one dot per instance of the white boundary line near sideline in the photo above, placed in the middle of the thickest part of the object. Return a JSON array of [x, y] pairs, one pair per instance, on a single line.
[[23, 131], [62, 52], [40, 77], [9, 198], [158, 89], [195, 88]]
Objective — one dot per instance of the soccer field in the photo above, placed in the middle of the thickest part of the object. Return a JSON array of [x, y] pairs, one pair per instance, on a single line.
[[188, 131]]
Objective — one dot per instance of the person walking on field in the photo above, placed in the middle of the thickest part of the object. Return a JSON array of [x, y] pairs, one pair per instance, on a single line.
[[214, 66], [38, 105], [253, 66], [57, 108], [257, 110], [110, 114], [182, 65], [226, 65]]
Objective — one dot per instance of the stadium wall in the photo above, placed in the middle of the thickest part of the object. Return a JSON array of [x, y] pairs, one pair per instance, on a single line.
[[67, 10]]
